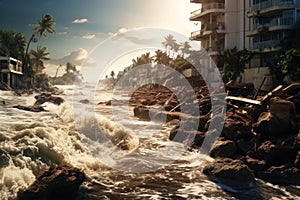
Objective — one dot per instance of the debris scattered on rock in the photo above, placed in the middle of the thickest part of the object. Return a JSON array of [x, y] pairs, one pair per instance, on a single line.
[[259, 135], [47, 97]]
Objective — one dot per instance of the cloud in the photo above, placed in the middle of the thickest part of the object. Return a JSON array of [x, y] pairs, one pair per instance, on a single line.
[[89, 36], [136, 36], [139, 40], [63, 33], [120, 31], [76, 57], [80, 21]]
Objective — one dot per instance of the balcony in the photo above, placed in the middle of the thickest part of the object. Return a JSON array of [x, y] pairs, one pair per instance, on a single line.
[[277, 24], [208, 29], [215, 49], [270, 6], [266, 46], [207, 9]]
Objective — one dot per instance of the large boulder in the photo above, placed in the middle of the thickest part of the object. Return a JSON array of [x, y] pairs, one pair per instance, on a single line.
[[287, 147], [223, 149], [279, 121], [233, 173], [255, 164], [235, 130], [61, 182], [270, 152]]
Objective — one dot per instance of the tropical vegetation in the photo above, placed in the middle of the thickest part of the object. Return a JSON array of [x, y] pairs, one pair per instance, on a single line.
[[235, 62], [69, 77], [14, 44], [176, 55]]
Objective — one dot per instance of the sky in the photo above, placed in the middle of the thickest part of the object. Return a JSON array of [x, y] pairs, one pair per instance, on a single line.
[[82, 26]]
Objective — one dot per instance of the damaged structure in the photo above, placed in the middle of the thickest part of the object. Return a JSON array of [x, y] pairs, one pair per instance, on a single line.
[[11, 72]]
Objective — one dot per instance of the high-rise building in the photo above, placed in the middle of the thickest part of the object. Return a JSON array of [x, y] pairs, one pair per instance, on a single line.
[[269, 22], [224, 25], [257, 25]]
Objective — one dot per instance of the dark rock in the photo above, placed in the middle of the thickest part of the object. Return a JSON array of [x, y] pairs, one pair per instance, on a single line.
[[236, 130], [204, 122], [61, 182], [297, 143], [85, 101], [47, 97], [244, 146], [282, 175], [233, 173], [297, 161], [279, 121], [34, 108], [270, 152], [216, 122], [288, 149], [4, 158], [255, 164], [223, 149]]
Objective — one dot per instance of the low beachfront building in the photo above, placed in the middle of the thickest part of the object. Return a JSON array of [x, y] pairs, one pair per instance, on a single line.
[[11, 72]]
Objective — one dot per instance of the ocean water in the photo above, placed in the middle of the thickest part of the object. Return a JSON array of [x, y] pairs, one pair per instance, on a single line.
[[132, 160]]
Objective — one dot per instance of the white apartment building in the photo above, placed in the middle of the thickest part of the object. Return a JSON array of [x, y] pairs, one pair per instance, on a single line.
[[257, 25], [224, 25], [269, 22]]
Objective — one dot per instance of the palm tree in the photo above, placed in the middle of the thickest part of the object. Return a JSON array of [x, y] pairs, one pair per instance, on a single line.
[[147, 59], [13, 43], [235, 61], [175, 48], [161, 58], [169, 43], [43, 26], [112, 74], [142, 60], [19, 45], [4, 51], [185, 48], [38, 57], [136, 62]]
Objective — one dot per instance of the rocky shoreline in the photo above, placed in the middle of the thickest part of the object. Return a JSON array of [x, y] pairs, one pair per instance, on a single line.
[[257, 141]]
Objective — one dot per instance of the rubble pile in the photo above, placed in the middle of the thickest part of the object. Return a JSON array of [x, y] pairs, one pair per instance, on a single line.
[[260, 135]]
